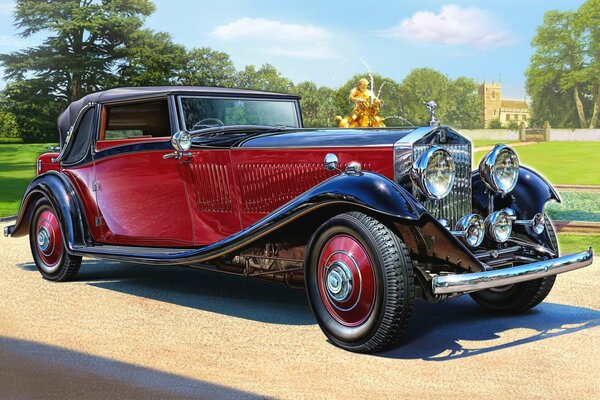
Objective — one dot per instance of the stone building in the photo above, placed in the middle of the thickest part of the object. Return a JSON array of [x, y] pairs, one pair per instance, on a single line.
[[494, 107]]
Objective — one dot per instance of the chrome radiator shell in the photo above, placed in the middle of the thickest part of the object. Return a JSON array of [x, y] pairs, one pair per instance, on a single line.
[[459, 202]]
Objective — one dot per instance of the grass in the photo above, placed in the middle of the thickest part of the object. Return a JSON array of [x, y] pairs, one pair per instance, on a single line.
[[17, 169], [572, 243], [575, 163], [484, 142]]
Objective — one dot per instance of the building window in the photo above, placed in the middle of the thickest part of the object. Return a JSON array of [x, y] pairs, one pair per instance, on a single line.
[[493, 94], [494, 112], [508, 117], [525, 117]]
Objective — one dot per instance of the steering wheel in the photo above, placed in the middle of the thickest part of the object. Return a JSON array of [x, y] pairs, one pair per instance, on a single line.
[[206, 122]]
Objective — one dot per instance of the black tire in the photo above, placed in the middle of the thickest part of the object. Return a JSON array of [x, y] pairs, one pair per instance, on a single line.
[[521, 296], [392, 268], [66, 265]]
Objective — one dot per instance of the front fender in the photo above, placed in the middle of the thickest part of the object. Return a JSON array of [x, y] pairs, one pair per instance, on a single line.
[[528, 198], [55, 187]]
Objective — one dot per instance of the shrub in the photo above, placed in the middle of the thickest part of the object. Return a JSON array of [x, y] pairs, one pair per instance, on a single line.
[[512, 125], [495, 124], [4, 140], [8, 125]]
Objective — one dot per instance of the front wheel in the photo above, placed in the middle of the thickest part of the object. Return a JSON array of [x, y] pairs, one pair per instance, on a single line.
[[360, 283], [47, 246]]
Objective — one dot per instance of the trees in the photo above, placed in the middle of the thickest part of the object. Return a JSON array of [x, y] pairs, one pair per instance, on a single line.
[[563, 78], [86, 40], [464, 104], [424, 84], [207, 67], [316, 104], [266, 78]]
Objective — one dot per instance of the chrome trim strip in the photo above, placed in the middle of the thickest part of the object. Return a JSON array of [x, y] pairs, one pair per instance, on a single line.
[[470, 282]]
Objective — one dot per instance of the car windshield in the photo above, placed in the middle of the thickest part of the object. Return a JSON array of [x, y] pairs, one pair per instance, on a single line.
[[200, 113]]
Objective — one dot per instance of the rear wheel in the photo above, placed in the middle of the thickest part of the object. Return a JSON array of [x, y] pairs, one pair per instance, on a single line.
[[521, 296], [360, 283], [47, 245]]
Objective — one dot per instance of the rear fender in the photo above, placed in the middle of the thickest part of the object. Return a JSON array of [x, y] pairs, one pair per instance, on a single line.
[[55, 187]]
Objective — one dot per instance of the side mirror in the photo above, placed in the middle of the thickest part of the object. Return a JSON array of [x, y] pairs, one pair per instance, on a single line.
[[181, 141]]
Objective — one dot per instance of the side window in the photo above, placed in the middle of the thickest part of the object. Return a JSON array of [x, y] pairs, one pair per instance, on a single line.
[[82, 138], [135, 120]]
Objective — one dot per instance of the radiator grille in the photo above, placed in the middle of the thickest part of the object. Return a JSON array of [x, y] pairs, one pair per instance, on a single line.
[[211, 186], [458, 203]]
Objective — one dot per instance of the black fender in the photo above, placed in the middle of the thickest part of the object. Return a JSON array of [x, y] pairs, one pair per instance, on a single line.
[[368, 192], [528, 198], [59, 191]]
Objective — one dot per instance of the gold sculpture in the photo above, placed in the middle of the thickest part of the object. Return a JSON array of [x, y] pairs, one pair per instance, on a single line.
[[366, 108]]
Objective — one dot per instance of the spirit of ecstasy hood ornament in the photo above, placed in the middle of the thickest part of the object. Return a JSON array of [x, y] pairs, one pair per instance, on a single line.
[[431, 106]]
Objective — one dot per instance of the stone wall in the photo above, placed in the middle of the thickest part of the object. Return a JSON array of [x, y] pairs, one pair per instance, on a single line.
[[575, 135], [489, 134]]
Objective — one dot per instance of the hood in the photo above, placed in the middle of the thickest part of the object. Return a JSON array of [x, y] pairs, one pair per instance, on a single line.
[[335, 137]]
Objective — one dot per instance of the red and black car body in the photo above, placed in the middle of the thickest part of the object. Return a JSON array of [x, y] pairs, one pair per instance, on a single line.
[[340, 211]]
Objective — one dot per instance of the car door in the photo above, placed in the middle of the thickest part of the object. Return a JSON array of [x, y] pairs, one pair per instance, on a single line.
[[140, 195]]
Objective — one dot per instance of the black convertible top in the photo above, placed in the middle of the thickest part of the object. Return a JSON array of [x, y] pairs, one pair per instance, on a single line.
[[67, 117]]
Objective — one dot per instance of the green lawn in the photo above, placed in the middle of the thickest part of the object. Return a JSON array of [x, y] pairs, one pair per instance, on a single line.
[[17, 169], [571, 242], [561, 162], [483, 143]]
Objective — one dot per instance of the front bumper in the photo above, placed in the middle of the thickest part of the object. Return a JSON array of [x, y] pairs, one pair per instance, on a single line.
[[471, 282]]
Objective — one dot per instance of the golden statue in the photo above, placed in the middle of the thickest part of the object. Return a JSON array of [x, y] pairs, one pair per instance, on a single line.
[[366, 108]]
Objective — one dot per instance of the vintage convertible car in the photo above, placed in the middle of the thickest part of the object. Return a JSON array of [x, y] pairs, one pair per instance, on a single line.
[[365, 219]]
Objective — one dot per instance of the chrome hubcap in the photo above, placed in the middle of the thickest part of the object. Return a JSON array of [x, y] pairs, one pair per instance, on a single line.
[[43, 239], [339, 281]]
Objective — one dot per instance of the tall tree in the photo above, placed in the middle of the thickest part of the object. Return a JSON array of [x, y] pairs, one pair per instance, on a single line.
[[86, 40], [152, 59], [207, 67], [565, 65], [464, 104]]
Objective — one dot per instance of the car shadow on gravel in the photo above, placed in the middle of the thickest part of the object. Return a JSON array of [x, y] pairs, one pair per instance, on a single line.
[[460, 328], [32, 370], [221, 293]]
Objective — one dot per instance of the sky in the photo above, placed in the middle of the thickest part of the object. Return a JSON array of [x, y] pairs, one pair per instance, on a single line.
[[329, 41]]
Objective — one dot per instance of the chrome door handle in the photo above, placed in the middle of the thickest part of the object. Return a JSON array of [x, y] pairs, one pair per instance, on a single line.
[[177, 155]]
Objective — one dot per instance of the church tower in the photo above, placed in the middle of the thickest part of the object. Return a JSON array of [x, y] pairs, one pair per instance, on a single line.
[[492, 102]]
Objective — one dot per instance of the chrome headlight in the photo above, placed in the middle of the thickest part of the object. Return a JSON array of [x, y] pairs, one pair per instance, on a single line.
[[499, 169], [538, 223], [470, 229], [434, 173], [181, 141], [498, 226]]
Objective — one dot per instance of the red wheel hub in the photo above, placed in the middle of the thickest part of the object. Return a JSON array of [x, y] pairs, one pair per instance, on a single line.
[[48, 238], [346, 280]]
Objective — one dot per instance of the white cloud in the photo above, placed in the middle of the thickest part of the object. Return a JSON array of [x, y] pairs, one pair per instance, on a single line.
[[7, 8], [278, 38], [453, 25]]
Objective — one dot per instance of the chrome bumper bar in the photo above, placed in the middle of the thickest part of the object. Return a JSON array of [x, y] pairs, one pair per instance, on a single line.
[[471, 282]]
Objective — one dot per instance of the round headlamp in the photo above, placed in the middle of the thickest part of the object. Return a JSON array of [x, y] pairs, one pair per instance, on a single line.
[[181, 141], [498, 226], [433, 173], [499, 169], [470, 229]]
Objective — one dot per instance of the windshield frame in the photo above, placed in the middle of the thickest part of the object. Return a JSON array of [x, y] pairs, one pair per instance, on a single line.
[[290, 99]]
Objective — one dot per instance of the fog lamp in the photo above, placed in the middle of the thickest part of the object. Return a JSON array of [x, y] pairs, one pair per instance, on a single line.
[[470, 230], [498, 226], [538, 223]]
